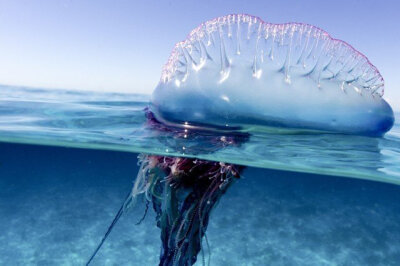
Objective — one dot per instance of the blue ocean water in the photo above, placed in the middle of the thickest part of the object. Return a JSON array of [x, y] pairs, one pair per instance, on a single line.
[[67, 160], [56, 203]]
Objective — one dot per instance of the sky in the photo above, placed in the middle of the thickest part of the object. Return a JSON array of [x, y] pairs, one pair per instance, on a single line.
[[122, 45]]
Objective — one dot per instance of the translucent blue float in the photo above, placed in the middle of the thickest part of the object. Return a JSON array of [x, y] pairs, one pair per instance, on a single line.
[[238, 70]]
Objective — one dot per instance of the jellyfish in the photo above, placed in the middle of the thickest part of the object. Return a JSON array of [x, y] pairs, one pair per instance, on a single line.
[[182, 191], [238, 70], [233, 74]]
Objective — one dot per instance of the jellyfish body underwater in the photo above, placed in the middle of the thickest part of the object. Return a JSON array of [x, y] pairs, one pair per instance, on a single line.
[[238, 72]]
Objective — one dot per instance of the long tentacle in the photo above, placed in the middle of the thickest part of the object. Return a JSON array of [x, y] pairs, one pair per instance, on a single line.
[[114, 222]]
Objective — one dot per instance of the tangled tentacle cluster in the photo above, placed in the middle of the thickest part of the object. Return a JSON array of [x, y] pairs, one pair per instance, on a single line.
[[183, 192]]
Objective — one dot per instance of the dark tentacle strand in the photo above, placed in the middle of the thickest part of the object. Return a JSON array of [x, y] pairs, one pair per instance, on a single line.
[[114, 222]]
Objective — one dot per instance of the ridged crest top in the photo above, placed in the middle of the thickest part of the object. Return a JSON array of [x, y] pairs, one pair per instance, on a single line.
[[296, 47]]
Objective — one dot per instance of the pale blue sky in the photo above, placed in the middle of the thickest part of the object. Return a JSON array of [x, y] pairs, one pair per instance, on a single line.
[[122, 45]]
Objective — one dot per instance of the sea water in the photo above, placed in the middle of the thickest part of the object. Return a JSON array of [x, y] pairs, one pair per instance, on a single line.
[[67, 160]]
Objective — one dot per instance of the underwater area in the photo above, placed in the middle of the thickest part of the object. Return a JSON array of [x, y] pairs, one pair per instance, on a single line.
[[57, 202], [68, 159]]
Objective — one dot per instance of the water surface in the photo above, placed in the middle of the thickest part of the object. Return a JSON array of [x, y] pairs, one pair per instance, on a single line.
[[115, 121]]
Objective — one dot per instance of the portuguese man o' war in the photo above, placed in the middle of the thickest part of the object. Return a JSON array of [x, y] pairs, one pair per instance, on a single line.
[[182, 191], [238, 70], [233, 73]]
